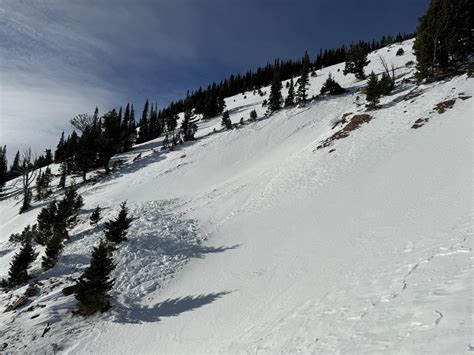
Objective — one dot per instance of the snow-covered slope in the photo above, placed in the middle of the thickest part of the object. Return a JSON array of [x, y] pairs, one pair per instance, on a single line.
[[254, 240]]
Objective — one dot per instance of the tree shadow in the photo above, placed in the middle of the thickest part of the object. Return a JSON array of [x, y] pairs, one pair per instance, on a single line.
[[6, 251], [136, 314], [182, 246], [134, 166], [67, 265]]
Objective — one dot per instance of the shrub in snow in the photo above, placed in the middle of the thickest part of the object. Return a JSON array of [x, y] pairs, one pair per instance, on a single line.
[[331, 87], [95, 216], [253, 115]]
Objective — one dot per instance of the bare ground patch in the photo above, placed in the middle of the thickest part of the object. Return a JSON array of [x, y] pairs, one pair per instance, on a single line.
[[354, 123]]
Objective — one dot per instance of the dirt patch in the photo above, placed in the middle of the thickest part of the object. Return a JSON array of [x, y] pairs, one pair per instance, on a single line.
[[342, 120], [463, 97], [420, 123], [355, 122], [445, 105]]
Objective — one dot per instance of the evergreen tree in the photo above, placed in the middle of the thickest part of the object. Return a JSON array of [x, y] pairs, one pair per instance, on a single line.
[[95, 216], [372, 91], [331, 87], [18, 272], [356, 61], [443, 37], [54, 246], [226, 122], [166, 142], [116, 229], [253, 115], [28, 232], [47, 220], [15, 168], [92, 288], [111, 140], [154, 129], [188, 125], [125, 128], [3, 166], [59, 153], [48, 157], [275, 99], [69, 207], [221, 102], [143, 134], [63, 173], [132, 128], [39, 186], [290, 99], [303, 81], [27, 197]]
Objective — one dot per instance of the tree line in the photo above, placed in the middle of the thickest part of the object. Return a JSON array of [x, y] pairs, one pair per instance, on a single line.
[[101, 137]]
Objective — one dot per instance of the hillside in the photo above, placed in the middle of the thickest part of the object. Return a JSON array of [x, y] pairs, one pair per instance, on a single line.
[[254, 240]]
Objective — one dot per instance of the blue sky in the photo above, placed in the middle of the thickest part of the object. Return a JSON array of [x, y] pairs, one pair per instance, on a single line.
[[61, 58]]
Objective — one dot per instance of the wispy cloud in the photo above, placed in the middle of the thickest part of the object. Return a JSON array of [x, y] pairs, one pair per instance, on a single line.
[[63, 58]]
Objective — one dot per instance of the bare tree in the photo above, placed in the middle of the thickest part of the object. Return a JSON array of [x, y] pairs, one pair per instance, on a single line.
[[83, 121], [28, 176]]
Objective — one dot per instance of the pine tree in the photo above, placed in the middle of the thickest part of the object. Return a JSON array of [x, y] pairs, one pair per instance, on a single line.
[[18, 272], [43, 181], [62, 178], [47, 219], [116, 229], [166, 142], [60, 149], [372, 91], [28, 233], [3, 166], [143, 134], [127, 144], [356, 61], [68, 208], [290, 98], [153, 130], [27, 197], [15, 168], [275, 99], [95, 216], [226, 122], [220, 103], [132, 128], [443, 37], [331, 87], [188, 125], [92, 288], [111, 139], [39, 186], [54, 246], [253, 115], [48, 157], [303, 81]]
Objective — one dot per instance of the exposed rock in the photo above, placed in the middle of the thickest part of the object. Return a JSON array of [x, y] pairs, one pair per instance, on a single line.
[[419, 123], [444, 105], [31, 291], [69, 290], [21, 301], [355, 122]]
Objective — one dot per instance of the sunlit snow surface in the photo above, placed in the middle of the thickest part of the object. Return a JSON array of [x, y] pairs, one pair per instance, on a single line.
[[253, 240]]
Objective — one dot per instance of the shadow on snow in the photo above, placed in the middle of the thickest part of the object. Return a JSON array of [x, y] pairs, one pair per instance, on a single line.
[[168, 308]]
